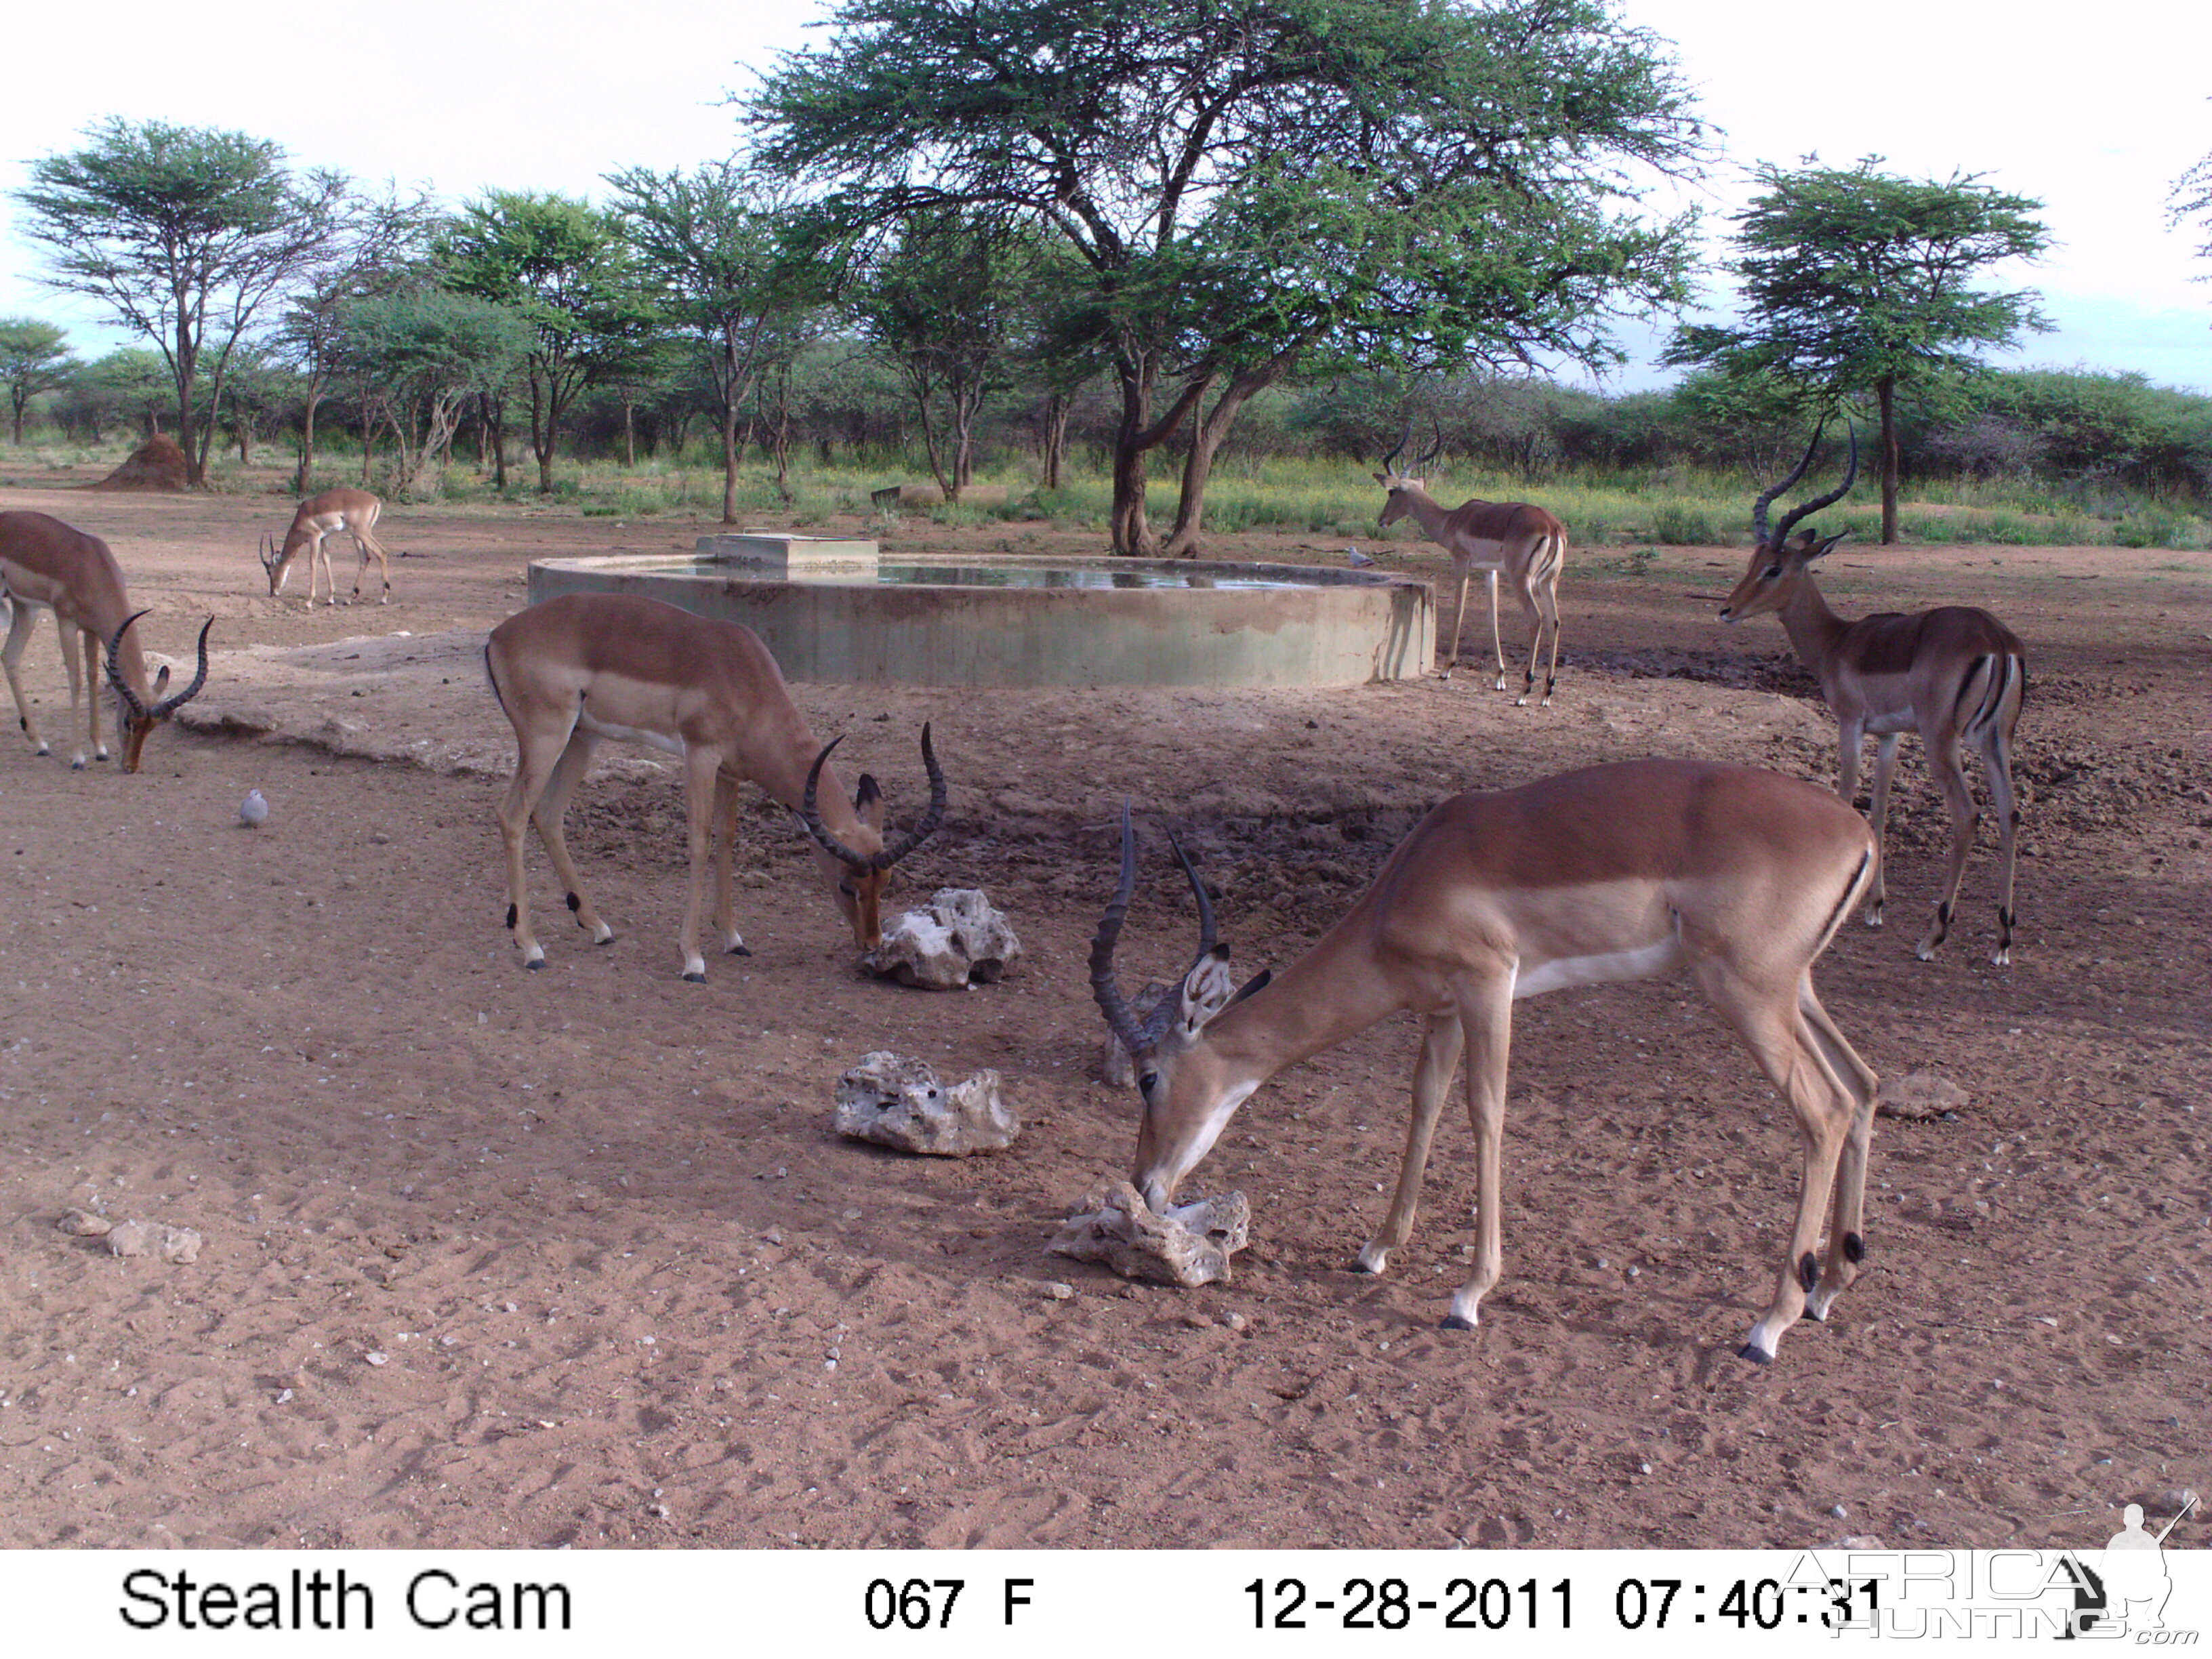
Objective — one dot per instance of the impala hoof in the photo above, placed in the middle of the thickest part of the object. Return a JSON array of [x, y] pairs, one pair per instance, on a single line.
[[694, 979], [740, 950], [535, 963], [1454, 1323], [1756, 1355], [78, 765]]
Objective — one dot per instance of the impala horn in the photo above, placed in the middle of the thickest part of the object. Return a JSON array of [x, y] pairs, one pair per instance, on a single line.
[[810, 820], [1141, 1039], [1389, 462], [268, 553], [1850, 477], [115, 675], [170, 706]]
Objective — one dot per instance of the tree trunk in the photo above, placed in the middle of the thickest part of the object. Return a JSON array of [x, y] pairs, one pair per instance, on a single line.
[[1055, 436], [730, 459], [1133, 439], [629, 429], [20, 402], [1885, 390], [1198, 466], [304, 478], [541, 435]]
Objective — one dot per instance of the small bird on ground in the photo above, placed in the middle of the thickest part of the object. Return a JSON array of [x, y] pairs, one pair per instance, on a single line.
[[253, 811], [1360, 561]]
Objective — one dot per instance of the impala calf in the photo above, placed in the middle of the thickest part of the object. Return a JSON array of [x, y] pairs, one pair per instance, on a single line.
[[1528, 544], [1956, 675], [1616, 872], [319, 517], [575, 670], [48, 565]]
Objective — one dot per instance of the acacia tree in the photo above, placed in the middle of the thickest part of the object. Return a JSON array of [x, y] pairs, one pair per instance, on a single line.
[[1251, 182], [34, 357], [1857, 282], [720, 244], [185, 233], [374, 246], [423, 355], [945, 305], [2191, 198], [564, 266]]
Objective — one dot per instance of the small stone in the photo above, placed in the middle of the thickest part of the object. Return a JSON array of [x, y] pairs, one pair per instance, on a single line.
[[1840, 1512], [900, 1103], [83, 1224], [148, 1238], [1054, 1291], [375, 1357], [1918, 1095], [1237, 1322]]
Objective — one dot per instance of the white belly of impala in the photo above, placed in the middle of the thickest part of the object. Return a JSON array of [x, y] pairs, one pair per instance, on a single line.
[[1561, 972], [665, 742]]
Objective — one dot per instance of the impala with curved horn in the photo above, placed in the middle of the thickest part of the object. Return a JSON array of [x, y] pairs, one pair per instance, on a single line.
[[319, 518], [1527, 543], [45, 564], [1614, 872], [1955, 674], [585, 667]]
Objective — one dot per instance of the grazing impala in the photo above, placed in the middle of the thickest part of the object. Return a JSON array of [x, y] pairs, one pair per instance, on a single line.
[[576, 670], [1616, 872], [1956, 675], [319, 517], [1526, 542], [45, 564]]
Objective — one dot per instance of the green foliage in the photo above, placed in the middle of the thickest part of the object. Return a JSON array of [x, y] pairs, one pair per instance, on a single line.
[[184, 233], [1251, 184], [34, 357]]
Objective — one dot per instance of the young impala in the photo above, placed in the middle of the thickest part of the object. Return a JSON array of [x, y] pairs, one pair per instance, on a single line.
[[319, 517], [1956, 675], [46, 565], [1526, 543], [1616, 872], [575, 671]]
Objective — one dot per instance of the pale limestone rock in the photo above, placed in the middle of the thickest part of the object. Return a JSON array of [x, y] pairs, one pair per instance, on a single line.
[[136, 1238], [1190, 1245], [1918, 1094], [900, 1103], [83, 1224], [959, 938]]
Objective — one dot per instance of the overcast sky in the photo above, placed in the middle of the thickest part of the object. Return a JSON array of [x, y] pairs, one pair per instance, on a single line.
[[2095, 113]]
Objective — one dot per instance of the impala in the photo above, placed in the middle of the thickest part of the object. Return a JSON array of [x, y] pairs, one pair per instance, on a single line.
[[1616, 872], [1526, 543], [576, 670], [45, 564], [1956, 675], [319, 517]]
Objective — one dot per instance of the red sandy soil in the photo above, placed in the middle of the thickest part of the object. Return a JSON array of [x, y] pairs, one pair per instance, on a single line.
[[629, 1288]]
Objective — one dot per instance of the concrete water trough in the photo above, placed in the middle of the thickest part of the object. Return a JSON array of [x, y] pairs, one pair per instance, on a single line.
[[835, 611]]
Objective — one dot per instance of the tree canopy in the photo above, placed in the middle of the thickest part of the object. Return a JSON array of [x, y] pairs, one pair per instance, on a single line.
[[184, 233], [1855, 281], [1253, 183], [34, 357]]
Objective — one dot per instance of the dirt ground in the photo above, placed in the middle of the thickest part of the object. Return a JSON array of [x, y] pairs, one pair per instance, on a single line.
[[493, 1257]]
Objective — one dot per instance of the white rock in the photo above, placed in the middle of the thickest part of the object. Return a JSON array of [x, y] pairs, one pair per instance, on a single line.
[[1190, 1245], [900, 1103], [136, 1238], [959, 938], [83, 1224]]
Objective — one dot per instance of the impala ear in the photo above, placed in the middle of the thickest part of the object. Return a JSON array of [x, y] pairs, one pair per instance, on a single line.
[[1383, 478], [1257, 982], [868, 802], [1207, 988], [1825, 547], [161, 682]]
